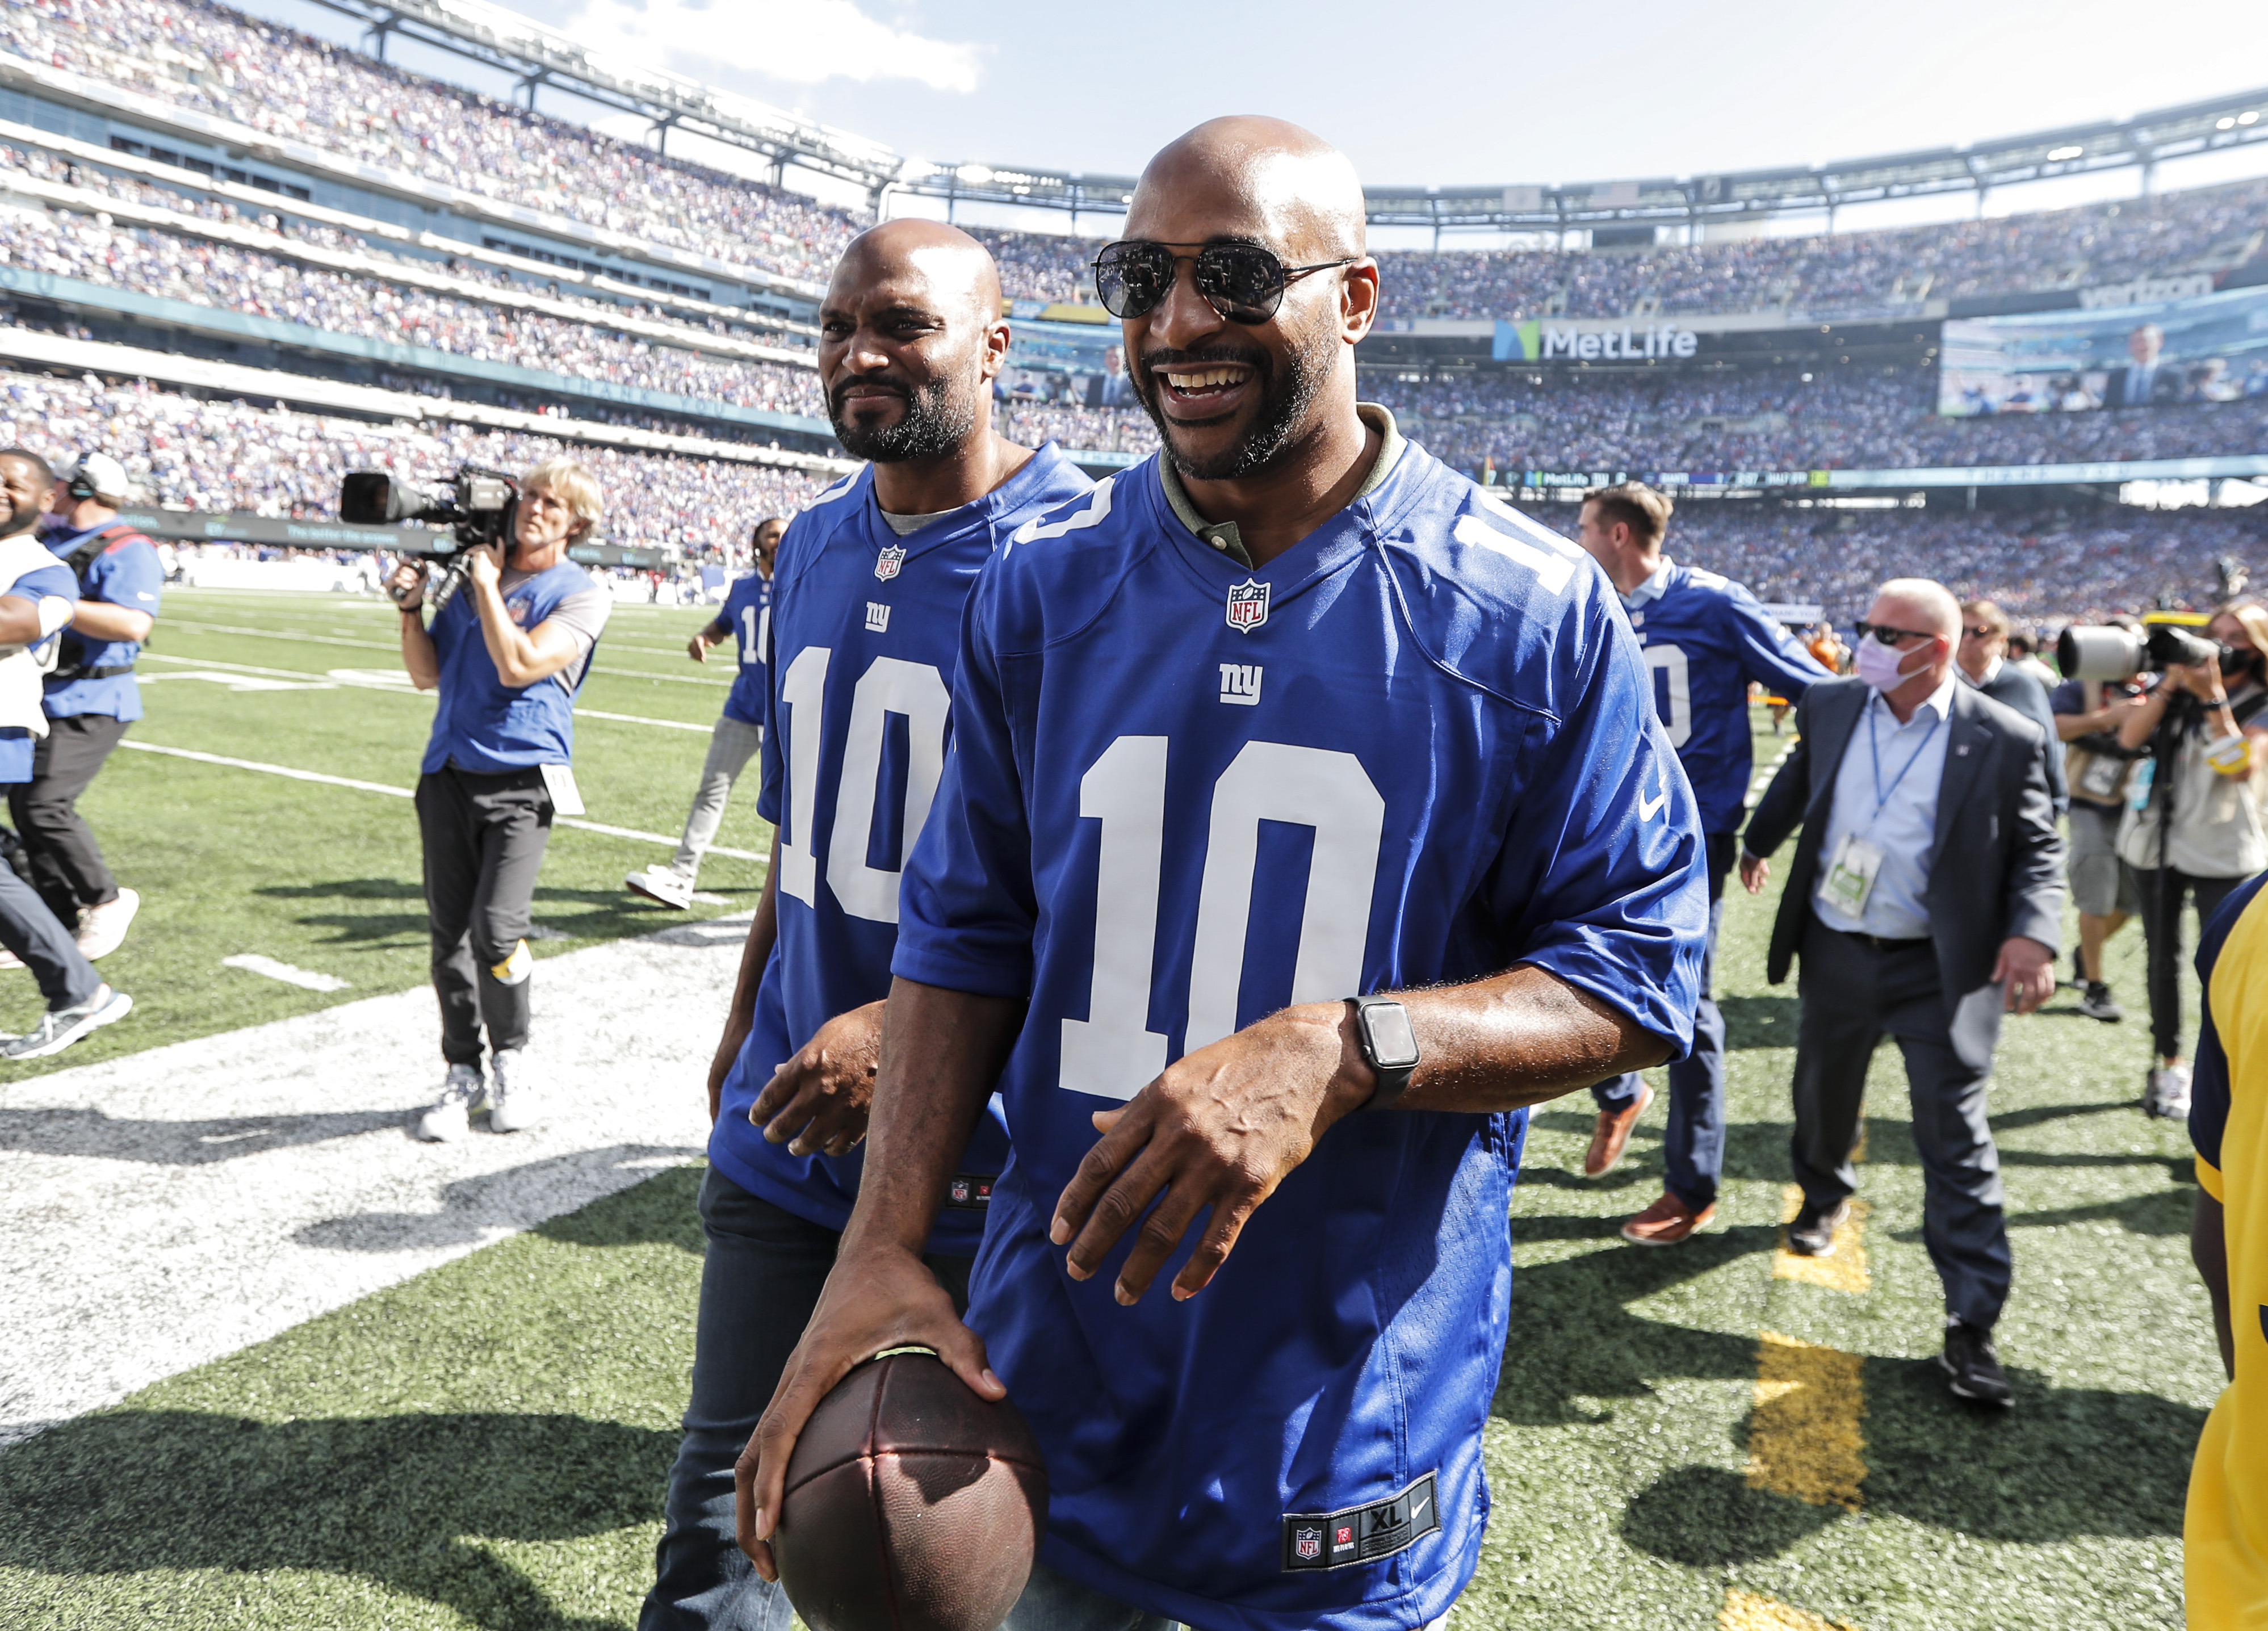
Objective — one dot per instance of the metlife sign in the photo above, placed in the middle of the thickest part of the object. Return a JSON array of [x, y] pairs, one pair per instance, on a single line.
[[1578, 339]]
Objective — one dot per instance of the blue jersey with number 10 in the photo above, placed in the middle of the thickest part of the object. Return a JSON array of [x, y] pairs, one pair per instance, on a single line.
[[1412, 749], [747, 612], [1706, 638], [865, 629]]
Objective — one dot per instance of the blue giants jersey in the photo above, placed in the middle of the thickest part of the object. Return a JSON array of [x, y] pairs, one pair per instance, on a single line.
[[1412, 749], [747, 612], [865, 631], [1706, 638]]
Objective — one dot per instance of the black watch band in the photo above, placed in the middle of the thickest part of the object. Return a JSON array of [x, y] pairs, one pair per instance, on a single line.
[[1388, 1045]]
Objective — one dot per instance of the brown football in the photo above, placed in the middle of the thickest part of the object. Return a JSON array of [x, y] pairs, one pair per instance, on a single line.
[[911, 1505]]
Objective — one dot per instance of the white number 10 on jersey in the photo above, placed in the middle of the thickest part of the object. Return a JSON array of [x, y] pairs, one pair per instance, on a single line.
[[1112, 1052]]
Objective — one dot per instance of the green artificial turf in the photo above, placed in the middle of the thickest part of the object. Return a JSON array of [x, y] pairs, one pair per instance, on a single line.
[[326, 879], [485, 1446]]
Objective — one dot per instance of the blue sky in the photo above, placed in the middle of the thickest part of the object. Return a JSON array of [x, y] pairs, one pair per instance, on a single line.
[[1442, 91]]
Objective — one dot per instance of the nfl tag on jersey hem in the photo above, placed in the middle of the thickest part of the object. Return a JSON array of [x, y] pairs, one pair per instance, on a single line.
[[1361, 1534]]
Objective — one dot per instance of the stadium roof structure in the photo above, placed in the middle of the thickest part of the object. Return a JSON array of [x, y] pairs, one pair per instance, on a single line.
[[537, 56]]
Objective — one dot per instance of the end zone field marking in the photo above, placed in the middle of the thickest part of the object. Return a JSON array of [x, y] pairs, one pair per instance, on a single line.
[[306, 979], [1745, 1611], [403, 792], [1843, 1269], [1803, 1436]]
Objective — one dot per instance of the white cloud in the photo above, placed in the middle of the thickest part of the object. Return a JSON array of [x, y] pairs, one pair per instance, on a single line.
[[802, 42]]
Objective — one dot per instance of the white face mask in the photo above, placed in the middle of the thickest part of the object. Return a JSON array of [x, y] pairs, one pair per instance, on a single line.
[[1878, 665]]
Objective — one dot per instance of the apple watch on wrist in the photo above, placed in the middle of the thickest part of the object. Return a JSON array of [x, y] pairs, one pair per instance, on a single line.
[[1388, 1045]]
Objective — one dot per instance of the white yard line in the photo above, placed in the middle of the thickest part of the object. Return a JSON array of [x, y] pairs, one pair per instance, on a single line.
[[403, 792], [161, 1210], [306, 979], [380, 645]]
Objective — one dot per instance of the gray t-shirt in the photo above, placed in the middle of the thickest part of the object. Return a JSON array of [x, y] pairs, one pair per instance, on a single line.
[[903, 525], [582, 615]]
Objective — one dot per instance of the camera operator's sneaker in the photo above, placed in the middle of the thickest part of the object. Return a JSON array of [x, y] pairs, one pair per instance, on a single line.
[[659, 883], [511, 1103], [450, 1116], [102, 929], [60, 1027], [2167, 1094], [2098, 1003]]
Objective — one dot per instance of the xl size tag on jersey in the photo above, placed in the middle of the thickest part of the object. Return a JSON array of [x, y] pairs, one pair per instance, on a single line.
[[1360, 1534], [566, 797], [1849, 877]]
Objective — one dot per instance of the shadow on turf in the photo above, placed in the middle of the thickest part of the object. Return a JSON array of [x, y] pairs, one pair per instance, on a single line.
[[93, 1134], [603, 914], [2066, 1462], [406, 1500], [472, 1208]]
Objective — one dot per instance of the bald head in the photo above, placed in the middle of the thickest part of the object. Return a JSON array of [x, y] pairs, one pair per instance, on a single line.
[[1301, 193], [909, 341], [946, 259], [1926, 606]]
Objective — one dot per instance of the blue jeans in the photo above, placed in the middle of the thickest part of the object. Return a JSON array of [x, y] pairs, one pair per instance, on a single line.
[[1693, 1149], [43, 944], [760, 1281]]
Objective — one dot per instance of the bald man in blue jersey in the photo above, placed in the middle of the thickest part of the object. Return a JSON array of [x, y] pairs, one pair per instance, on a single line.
[[1305, 823]]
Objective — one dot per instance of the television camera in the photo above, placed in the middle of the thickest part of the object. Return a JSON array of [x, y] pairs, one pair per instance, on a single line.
[[477, 508]]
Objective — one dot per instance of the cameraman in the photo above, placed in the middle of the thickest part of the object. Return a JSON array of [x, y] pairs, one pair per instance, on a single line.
[[507, 654], [2192, 824]]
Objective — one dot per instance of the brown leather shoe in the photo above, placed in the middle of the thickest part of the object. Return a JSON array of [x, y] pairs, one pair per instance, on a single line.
[[1668, 1221], [1611, 1136]]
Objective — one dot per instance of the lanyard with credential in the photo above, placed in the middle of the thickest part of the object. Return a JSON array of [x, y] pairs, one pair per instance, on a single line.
[[1874, 741]]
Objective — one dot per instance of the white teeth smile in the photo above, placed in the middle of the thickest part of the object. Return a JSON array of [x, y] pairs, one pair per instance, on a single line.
[[1205, 378]]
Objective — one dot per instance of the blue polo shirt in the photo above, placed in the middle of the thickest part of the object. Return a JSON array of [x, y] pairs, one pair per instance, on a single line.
[[125, 572]]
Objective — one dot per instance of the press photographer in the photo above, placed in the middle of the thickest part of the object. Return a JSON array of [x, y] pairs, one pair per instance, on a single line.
[[507, 650], [2192, 826]]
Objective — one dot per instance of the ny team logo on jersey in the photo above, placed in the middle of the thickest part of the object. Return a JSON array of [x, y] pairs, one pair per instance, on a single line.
[[1240, 683], [888, 563], [1248, 605]]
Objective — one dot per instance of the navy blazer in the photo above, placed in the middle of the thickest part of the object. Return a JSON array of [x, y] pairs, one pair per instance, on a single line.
[[1998, 869]]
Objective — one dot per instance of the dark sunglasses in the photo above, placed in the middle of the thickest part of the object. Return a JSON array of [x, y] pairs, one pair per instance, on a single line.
[[1980, 634], [1888, 635], [1244, 282]]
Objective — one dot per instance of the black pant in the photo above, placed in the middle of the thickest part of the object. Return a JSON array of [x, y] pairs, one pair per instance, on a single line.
[[761, 1280], [2163, 890], [66, 863], [485, 838], [1854, 993]]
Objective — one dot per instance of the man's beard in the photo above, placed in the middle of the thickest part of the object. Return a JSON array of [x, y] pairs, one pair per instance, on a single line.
[[936, 421], [1285, 401]]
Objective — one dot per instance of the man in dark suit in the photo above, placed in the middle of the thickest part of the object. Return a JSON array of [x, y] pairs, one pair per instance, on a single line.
[[2144, 380], [1982, 657], [1925, 897]]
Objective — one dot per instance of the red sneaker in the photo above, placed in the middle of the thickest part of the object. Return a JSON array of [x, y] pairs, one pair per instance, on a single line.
[[1612, 1135], [1668, 1221]]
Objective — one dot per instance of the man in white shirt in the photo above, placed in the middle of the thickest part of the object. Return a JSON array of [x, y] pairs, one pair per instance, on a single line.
[[1925, 898]]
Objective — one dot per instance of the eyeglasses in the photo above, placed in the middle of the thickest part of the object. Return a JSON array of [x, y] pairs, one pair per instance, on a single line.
[[1980, 634], [1888, 635], [1244, 282]]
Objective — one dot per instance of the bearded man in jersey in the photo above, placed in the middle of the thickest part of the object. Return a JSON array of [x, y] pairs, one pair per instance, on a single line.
[[1305, 823], [868, 591], [1705, 638]]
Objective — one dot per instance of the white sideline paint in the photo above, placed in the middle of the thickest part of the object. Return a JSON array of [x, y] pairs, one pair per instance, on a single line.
[[164, 1210], [403, 792], [306, 979]]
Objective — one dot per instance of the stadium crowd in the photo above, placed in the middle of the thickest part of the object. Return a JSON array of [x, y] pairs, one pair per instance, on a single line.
[[220, 275], [186, 453]]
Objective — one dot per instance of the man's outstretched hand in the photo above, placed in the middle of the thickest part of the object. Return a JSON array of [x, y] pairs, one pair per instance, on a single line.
[[876, 1298], [1220, 1128], [819, 1099]]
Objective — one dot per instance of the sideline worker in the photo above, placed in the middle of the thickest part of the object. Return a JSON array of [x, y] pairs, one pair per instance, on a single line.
[[91, 697], [745, 618], [2224, 1532], [507, 654], [37, 595], [1926, 894]]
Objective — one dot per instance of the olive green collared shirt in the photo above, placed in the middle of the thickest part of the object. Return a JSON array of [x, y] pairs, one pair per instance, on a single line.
[[1223, 535]]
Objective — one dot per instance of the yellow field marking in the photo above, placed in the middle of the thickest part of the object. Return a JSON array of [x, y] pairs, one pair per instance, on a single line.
[[1845, 1269], [1745, 1611], [1803, 1437]]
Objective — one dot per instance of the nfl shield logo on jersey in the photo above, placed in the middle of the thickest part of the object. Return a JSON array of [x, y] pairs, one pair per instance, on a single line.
[[1308, 1542], [1248, 605], [888, 563]]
